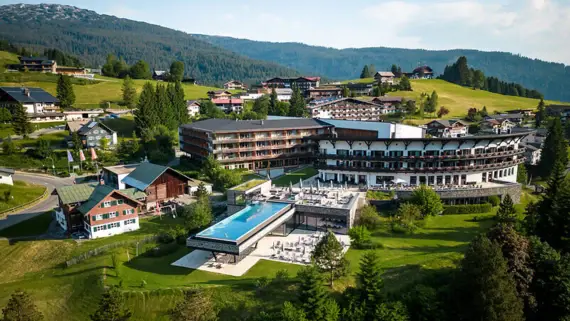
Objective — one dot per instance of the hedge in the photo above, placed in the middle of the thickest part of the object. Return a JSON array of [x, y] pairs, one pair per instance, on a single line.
[[467, 209]]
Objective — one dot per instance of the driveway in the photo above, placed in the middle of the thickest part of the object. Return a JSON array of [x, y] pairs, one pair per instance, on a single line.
[[48, 204]]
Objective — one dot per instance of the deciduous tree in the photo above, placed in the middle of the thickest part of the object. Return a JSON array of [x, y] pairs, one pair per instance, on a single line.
[[428, 200], [5, 115], [405, 83], [176, 71], [21, 307], [111, 307], [196, 306], [140, 70], [442, 111]]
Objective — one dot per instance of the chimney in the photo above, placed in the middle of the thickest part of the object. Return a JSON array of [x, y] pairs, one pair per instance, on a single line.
[[26, 91], [261, 122]]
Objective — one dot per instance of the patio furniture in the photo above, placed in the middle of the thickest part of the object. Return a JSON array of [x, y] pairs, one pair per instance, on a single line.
[[219, 266]]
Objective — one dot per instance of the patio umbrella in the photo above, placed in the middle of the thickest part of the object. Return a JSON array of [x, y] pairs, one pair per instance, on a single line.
[[345, 185], [398, 181], [291, 187], [311, 187], [337, 196], [301, 183], [318, 185], [332, 184]]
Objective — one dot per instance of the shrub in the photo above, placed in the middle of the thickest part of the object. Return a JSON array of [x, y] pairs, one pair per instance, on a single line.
[[360, 237], [494, 200], [467, 209], [428, 201], [369, 217]]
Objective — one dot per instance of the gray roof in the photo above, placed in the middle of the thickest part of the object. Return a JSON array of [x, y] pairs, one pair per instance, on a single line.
[[447, 122], [7, 170], [145, 174], [385, 74], [159, 72], [37, 95], [503, 116], [230, 125], [348, 99], [283, 91], [87, 127]]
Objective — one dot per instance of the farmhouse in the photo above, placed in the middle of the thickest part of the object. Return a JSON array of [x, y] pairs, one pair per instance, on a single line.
[[516, 118], [360, 89], [214, 94], [193, 107], [497, 126], [97, 209], [234, 84], [387, 101], [92, 132], [34, 100], [38, 64], [82, 114], [422, 72], [159, 75], [324, 92], [303, 83], [447, 128], [229, 104], [385, 77]]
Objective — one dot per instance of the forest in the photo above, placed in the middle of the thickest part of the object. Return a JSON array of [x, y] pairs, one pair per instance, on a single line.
[[549, 78], [91, 37]]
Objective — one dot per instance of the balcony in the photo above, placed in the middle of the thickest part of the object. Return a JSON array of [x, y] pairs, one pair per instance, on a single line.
[[264, 157], [260, 138], [422, 170], [257, 148], [519, 151]]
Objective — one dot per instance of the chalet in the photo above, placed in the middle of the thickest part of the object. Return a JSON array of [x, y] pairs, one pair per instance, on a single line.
[[98, 210], [46, 116], [388, 101], [229, 104], [303, 83], [82, 114], [38, 64], [513, 118], [526, 112], [193, 107], [6, 176], [234, 84], [159, 183], [447, 128], [423, 72], [71, 71], [160, 75], [284, 94], [532, 153], [385, 77], [562, 111], [34, 100], [496, 126], [360, 89], [324, 92], [92, 133], [114, 175], [75, 125], [213, 94]]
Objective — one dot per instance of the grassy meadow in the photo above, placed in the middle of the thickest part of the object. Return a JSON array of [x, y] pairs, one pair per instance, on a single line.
[[20, 193]]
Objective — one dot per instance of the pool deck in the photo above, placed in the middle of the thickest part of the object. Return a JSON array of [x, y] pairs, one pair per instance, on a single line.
[[202, 260]]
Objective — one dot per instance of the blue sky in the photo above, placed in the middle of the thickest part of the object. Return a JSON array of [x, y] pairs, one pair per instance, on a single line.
[[533, 28]]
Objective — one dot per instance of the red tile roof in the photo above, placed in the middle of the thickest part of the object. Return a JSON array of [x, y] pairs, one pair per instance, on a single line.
[[220, 101]]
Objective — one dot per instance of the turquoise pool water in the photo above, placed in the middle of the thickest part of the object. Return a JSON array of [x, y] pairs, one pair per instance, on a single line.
[[234, 227]]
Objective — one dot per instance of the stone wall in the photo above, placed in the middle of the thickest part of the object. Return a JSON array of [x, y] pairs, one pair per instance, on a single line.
[[232, 209], [514, 190]]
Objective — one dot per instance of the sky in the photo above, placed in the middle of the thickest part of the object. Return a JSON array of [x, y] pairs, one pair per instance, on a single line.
[[532, 28]]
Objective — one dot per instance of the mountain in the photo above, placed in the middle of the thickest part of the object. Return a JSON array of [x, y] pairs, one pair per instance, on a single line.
[[552, 79], [91, 37]]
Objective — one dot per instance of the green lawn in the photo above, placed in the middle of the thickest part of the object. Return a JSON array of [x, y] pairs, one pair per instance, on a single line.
[[249, 184], [56, 139], [294, 176], [20, 193], [34, 226], [124, 126]]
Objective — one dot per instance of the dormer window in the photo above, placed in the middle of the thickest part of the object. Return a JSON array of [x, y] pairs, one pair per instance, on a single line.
[[106, 204]]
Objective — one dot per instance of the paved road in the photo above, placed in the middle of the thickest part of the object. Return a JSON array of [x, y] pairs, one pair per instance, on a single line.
[[51, 183]]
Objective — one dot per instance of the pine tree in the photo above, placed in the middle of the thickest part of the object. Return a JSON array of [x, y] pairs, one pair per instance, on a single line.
[[196, 306], [179, 104], [391, 311], [273, 101], [5, 115], [492, 294], [405, 83], [540, 113], [111, 307], [146, 115], [345, 92], [163, 105], [522, 176], [507, 212], [311, 293], [365, 72], [290, 313], [297, 103], [201, 191], [129, 93], [20, 121], [65, 93], [8, 146], [369, 282], [554, 149], [329, 257], [331, 311], [135, 146], [261, 106], [20, 307]]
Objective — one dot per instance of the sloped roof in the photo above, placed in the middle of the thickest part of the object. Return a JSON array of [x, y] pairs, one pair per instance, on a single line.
[[75, 193], [102, 191], [87, 127], [36, 95], [385, 74], [7, 170], [447, 122], [159, 72], [227, 100], [219, 125], [75, 125], [513, 116], [145, 174]]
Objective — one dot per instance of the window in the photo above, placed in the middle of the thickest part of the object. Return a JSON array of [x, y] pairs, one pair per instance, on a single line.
[[113, 203], [106, 204], [97, 217], [129, 211], [120, 202], [105, 216], [131, 221], [113, 214]]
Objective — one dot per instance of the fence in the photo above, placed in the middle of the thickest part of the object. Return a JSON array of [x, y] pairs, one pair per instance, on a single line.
[[105, 248], [24, 205]]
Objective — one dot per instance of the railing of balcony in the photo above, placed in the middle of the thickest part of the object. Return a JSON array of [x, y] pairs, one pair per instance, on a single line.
[[420, 170], [263, 157], [519, 151], [259, 138]]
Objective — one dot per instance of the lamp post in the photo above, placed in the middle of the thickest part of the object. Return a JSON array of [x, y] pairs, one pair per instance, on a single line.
[[52, 165]]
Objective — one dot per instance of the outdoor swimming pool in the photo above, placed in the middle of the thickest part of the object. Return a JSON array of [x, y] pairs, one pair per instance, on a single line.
[[234, 227]]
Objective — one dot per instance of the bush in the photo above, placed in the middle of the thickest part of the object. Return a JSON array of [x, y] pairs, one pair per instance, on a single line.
[[360, 237], [494, 200], [468, 209], [369, 217], [162, 250]]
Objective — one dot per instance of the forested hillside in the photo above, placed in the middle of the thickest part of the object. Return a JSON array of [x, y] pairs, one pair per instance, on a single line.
[[91, 37], [551, 79]]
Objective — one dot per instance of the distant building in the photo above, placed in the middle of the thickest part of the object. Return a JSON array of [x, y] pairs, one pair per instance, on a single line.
[[229, 104], [160, 75], [324, 92], [562, 111], [350, 109], [71, 71], [423, 72], [234, 84], [284, 94], [212, 94], [193, 107], [533, 152], [46, 116], [6, 176], [303, 83], [447, 128], [526, 112], [496, 126], [360, 89], [92, 133], [387, 101], [82, 114], [97, 209], [34, 100], [385, 77], [38, 64], [516, 118]]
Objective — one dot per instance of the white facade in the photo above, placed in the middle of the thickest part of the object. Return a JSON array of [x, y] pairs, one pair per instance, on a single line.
[[6, 178], [251, 96], [85, 114], [193, 110], [114, 228], [428, 162], [34, 108]]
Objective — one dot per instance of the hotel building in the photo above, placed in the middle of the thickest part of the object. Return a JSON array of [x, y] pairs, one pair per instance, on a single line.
[[251, 144], [462, 169], [351, 109]]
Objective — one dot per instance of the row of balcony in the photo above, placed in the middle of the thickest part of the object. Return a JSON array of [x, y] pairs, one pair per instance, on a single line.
[[519, 151], [256, 148], [264, 157], [258, 138], [421, 170]]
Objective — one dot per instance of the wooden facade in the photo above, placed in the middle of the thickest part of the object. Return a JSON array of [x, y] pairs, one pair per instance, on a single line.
[[167, 186]]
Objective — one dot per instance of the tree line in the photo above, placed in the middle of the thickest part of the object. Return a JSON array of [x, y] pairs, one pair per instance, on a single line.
[[59, 56], [460, 73]]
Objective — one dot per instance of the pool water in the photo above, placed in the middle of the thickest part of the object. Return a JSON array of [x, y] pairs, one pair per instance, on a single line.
[[234, 227]]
